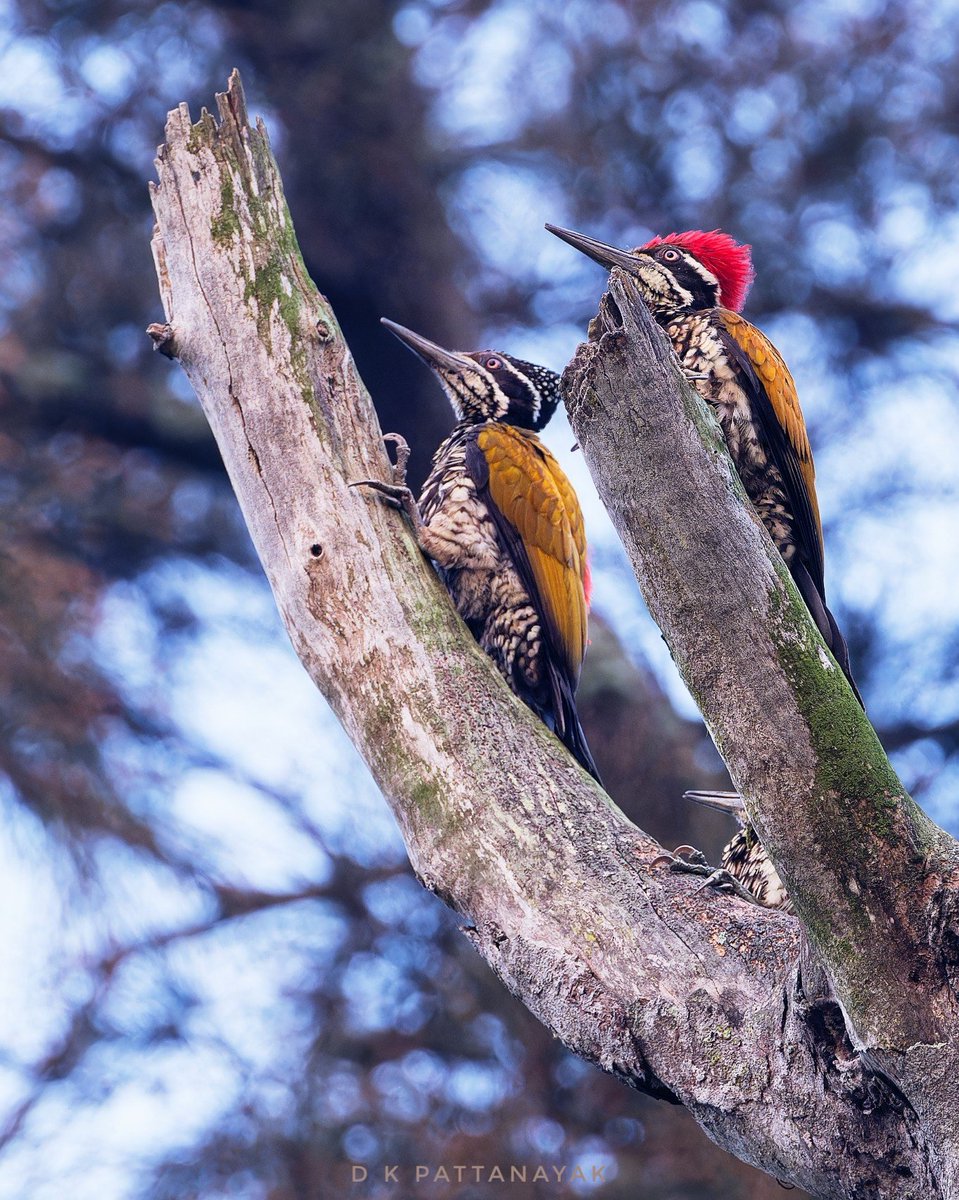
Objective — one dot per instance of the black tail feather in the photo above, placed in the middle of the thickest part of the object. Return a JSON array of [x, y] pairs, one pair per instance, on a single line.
[[837, 644], [825, 622], [575, 742], [561, 717]]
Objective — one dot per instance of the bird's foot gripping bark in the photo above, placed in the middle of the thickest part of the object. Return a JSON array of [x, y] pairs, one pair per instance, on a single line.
[[396, 492], [687, 860]]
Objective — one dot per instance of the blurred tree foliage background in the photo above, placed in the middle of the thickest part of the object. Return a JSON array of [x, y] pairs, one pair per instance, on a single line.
[[219, 976]]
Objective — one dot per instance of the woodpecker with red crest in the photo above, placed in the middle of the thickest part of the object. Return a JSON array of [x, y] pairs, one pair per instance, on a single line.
[[502, 523], [695, 285]]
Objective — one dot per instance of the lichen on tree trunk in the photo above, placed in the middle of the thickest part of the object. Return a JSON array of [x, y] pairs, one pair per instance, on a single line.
[[683, 992]]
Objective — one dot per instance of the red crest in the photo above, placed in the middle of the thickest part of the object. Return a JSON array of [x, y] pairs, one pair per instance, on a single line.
[[720, 254]]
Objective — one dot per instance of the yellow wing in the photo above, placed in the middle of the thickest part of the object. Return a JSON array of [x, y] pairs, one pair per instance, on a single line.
[[767, 380], [537, 510], [778, 388]]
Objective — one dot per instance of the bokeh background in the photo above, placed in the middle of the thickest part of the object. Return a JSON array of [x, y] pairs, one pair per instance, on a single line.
[[218, 977]]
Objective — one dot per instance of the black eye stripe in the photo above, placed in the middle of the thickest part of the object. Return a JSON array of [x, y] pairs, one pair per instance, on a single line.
[[515, 391]]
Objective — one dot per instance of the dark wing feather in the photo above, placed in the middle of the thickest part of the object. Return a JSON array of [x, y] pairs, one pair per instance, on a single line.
[[772, 391], [540, 526], [775, 401]]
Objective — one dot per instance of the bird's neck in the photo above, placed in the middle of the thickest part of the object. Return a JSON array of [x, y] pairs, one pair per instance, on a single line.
[[464, 425], [669, 313]]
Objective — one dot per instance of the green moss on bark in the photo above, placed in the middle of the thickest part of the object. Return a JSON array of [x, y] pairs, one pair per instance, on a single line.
[[860, 819], [277, 286], [848, 752], [279, 279], [226, 225]]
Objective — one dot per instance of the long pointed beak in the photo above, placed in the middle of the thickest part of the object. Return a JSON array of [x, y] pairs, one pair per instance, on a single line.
[[607, 256], [727, 802], [435, 357]]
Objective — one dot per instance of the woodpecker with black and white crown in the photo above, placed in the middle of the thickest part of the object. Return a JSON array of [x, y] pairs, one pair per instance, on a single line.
[[502, 523], [695, 284]]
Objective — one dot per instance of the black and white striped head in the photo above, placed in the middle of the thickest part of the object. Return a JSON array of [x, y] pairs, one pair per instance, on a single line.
[[487, 385], [681, 271]]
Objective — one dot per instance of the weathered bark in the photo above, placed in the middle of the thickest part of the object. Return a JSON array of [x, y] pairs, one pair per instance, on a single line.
[[872, 878], [682, 992]]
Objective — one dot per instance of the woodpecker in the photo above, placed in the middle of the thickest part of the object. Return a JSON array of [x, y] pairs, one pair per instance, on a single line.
[[502, 523], [744, 856], [695, 285]]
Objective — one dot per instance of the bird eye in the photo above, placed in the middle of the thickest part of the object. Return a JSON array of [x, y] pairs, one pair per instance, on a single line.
[[492, 364], [670, 255]]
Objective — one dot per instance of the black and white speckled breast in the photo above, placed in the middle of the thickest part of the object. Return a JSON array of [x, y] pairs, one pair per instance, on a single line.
[[745, 858], [461, 537], [701, 351]]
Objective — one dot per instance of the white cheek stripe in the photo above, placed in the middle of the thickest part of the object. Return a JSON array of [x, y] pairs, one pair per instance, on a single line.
[[702, 271], [661, 283], [478, 385], [524, 379]]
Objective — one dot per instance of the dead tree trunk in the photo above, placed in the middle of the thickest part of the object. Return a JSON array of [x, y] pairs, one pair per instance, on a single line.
[[828, 1065]]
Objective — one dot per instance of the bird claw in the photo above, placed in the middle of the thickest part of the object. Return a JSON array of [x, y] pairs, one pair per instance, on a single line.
[[720, 879], [402, 457], [397, 468], [692, 376], [683, 858], [687, 860], [396, 493]]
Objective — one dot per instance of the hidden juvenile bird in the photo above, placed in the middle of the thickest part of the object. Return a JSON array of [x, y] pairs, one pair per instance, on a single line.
[[744, 856], [502, 523], [695, 284]]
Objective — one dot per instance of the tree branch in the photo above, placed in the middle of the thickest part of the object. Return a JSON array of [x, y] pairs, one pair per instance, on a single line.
[[871, 877], [680, 991]]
